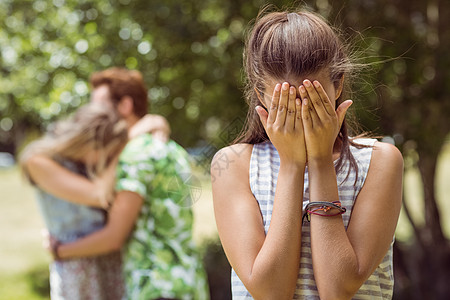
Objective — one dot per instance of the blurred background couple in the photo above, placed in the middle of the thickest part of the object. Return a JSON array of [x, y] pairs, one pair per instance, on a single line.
[[116, 226]]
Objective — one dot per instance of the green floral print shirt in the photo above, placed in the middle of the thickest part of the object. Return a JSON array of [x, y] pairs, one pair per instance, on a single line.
[[160, 258]]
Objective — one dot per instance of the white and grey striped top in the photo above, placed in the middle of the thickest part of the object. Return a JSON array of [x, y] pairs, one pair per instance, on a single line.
[[264, 167]]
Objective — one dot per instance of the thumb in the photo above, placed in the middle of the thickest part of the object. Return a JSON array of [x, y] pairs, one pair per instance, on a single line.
[[45, 239], [263, 115], [342, 110]]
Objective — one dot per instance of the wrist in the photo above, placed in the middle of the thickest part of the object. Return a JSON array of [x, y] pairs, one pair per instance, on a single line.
[[292, 166], [320, 162]]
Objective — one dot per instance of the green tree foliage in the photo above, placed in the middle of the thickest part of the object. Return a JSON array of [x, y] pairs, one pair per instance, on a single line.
[[190, 53]]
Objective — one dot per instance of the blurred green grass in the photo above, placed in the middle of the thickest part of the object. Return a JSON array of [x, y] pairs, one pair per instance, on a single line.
[[24, 267]]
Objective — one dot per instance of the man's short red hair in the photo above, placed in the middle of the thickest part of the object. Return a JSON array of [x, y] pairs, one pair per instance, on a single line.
[[123, 82]]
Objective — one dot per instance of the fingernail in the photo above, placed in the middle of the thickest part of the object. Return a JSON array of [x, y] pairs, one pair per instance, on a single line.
[[305, 101], [316, 83], [285, 86], [302, 89], [298, 102], [307, 83], [277, 87], [291, 90]]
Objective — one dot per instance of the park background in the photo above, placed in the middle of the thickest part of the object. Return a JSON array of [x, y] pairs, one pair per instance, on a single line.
[[190, 53]]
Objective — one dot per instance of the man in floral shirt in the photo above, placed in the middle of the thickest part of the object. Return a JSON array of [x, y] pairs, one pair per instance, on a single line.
[[160, 258], [149, 216]]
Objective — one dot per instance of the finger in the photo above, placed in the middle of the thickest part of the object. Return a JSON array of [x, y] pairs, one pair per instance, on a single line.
[[45, 244], [274, 104], [160, 135], [298, 114], [282, 105], [45, 238], [290, 117], [44, 233], [263, 116], [316, 100], [342, 110], [312, 115], [306, 116], [326, 102]]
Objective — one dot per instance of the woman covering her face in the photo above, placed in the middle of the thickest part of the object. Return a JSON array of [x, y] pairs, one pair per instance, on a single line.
[[303, 210]]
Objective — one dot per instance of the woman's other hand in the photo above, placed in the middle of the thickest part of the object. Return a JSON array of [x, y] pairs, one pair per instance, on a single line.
[[283, 123], [105, 184], [50, 244], [155, 124], [321, 121]]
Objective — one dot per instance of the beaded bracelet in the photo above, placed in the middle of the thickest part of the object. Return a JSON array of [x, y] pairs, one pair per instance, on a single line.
[[322, 206]]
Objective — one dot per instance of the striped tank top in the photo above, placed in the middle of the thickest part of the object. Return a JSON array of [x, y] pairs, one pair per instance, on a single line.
[[264, 167]]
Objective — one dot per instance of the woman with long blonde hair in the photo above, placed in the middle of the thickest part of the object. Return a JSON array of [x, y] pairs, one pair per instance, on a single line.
[[87, 143]]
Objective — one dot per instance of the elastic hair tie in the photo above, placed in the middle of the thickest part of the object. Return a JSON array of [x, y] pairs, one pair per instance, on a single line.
[[292, 15], [312, 208]]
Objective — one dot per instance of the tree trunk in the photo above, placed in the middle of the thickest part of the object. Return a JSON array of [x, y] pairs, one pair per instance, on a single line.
[[427, 167], [423, 266]]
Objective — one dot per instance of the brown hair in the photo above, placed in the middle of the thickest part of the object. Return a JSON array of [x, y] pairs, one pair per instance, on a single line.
[[285, 45], [122, 82]]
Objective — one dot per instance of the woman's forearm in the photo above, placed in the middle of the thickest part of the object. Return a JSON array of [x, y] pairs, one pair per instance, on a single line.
[[276, 266], [63, 183], [334, 261], [342, 258]]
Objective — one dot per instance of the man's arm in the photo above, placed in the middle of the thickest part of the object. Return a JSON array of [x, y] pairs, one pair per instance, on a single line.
[[121, 220]]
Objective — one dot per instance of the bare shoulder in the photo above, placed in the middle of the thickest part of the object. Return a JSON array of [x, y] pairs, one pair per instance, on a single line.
[[230, 173], [231, 159], [387, 155], [36, 160], [386, 169], [381, 192], [37, 163]]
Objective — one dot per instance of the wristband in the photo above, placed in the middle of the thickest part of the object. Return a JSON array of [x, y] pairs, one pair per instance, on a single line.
[[312, 208]]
